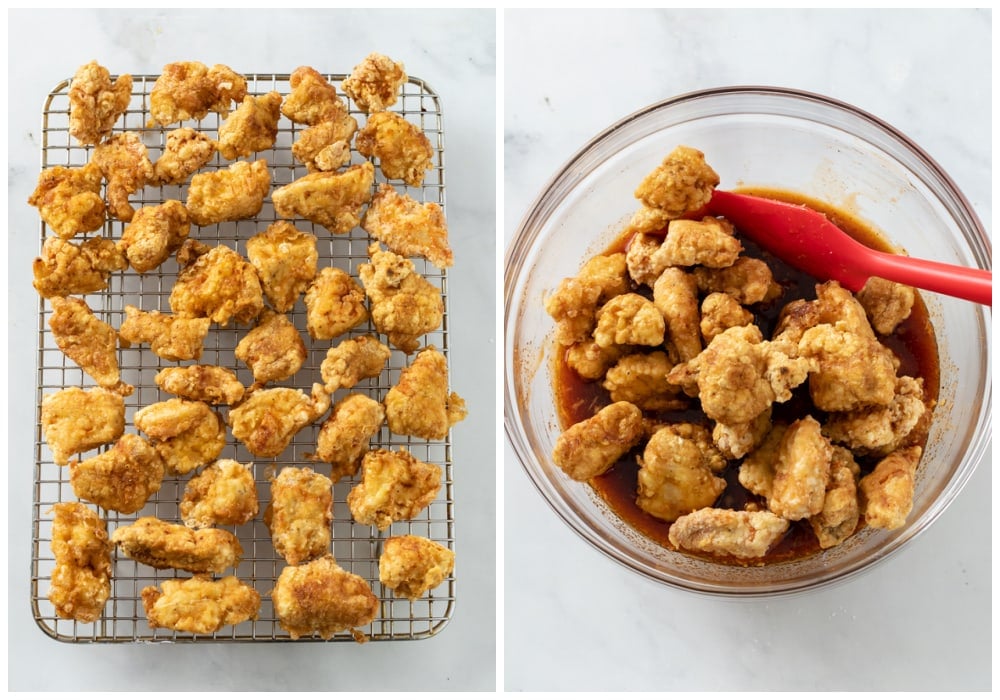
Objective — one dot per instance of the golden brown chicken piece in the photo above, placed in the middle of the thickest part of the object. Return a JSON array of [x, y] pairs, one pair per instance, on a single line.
[[709, 242], [69, 199], [344, 437], [95, 103], [407, 227], [887, 492], [124, 163], [253, 127], [592, 446], [75, 420], [801, 471], [879, 430], [644, 266], [88, 341], [169, 336], [184, 153], [335, 304], [736, 533], [81, 578], [411, 565], [224, 493], [590, 360], [854, 370], [326, 146], [186, 434], [683, 182], [394, 486], [629, 319], [675, 475], [208, 383], [352, 360], [757, 469], [374, 83], [720, 311], [420, 404], [190, 90], [121, 479], [748, 280], [230, 194], [641, 379], [200, 605], [164, 545], [840, 514], [886, 303], [300, 514], [219, 285], [735, 440], [268, 420], [404, 305], [321, 598], [154, 234], [331, 199], [285, 259], [403, 150], [273, 349], [675, 295], [66, 268], [574, 304], [312, 99]]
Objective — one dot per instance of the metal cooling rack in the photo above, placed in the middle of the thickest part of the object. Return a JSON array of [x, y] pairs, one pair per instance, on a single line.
[[356, 547]]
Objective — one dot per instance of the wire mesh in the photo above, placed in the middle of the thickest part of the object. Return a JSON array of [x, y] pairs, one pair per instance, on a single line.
[[356, 547]]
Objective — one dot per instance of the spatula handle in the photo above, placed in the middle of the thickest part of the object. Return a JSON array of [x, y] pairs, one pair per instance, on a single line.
[[967, 283]]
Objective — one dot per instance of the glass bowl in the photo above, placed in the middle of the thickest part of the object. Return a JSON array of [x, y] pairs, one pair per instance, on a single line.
[[752, 137]]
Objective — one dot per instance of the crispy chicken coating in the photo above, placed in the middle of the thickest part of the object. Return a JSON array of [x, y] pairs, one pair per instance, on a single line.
[[352, 360], [394, 486], [200, 605], [411, 565], [720, 311], [592, 446], [757, 470], [88, 341], [887, 492], [590, 360], [95, 103], [326, 146], [321, 598], [709, 242], [164, 545], [331, 199], [169, 336], [886, 303], [69, 199], [737, 533], [854, 370], [801, 471], [404, 305], [184, 153], [420, 404], [268, 420], [219, 285], [252, 127], [224, 493], [312, 99], [273, 349], [641, 379], [839, 517], [230, 194], [75, 420], [573, 306], [186, 434], [748, 280], [285, 259], [81, 578], [403, 150], [683, 182], [335, 304], [737, 439], [408, 227], [154, 234], [640, 257], [879, 430], [629, 319], [344, 437], [374, 83], [190, 90], [208, 383], [121, 479], [66, 268], [675, 295], [124, 163], [300, 514], [675, 472]]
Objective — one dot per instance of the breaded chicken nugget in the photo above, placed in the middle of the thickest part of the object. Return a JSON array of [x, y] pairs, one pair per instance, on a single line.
[[420, 404], [252, 127], [285, 259], [403, 150], [200, 605], [312, 99], [124, 162], [75, 420], [335, 304], [394, 486], [95, 103], [408, 227], [69, 199], [352, 360], [321, 598], [300, 514], [121, 479], [185, 151], [331, 199], [186, 434], [169, 336], [164, 545], [66, 268], [154, 234], [230, 194], [88, 341], [220, 285], [81, 579], [208, 383], [273, 349], [223, 494], [326, 146], [190, 90], [345, 435], [411, 565], [268, 420], [374, 83]]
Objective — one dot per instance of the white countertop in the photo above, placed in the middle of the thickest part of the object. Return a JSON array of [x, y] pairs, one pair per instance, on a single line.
[[455, 52], [575, 620]]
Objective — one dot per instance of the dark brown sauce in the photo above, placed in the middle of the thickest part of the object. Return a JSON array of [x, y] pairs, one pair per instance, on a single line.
[[913, 342]]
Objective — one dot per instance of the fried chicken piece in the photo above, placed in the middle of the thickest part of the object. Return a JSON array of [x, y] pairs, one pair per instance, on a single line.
[[300, 514], [331, 199], [326, 146], [223, 494], [95, 103], [88, 341], [374, 83], [643, 265], [69, 199], [675, 474], [841, 512], [641, 379], [408, 227], [404, 305], [154, 234], [185, 152], [230, 194], [403, 150], [200, 605], [164, 545], [854, 370], [709, 242], [592, 446], [285, 259], [879, 430], [737, 439], [675, 295], [273, 349], [420, 404], [268, 420], [748, 280], [75, 420], [124, 163], [886, 303], [801, 472], [186, 434], [190, 90], [219, 285], [81, 578], [169, 336], [121, 479], [345, 435], [720, 311], [352, 360], [394, 486], [252, 127], [208, 383], [322, 598], [66, 268], [683, 182], [312, 99], [590, 360], [573, 306], [757, 469], [737, 533], [629, 319], [411, 565], [335, 304], [887, 492]]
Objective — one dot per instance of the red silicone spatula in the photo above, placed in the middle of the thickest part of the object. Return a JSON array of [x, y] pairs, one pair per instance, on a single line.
[[809, 241]]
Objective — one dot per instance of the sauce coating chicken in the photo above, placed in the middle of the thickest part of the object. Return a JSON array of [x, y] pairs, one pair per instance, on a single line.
[[676, 472], [592, 446], [736, 533], [887, 492]]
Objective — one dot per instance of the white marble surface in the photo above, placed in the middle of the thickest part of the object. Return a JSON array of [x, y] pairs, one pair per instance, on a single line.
[[455, 51], [573, 619]]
